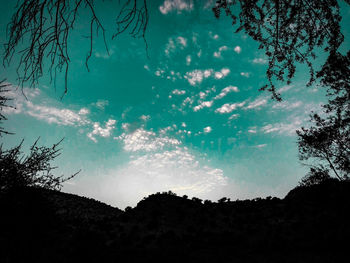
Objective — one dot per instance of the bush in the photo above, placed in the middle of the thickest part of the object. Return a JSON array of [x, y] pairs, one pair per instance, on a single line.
[[33, 170], [316, 175]]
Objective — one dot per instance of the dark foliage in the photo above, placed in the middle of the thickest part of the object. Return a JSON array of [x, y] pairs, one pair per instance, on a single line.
[[290, 32], [309, 225], [33, 170], [45, 26], [328, 139], [3, 104]]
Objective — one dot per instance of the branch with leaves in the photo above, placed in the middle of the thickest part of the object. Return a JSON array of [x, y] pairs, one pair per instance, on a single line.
[[328, 139], [289, 31]]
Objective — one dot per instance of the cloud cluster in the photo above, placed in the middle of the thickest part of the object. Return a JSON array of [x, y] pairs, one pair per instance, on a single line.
[[225, 91], [261, 101], [287, 129], [196, 76], [49, 114], [227, 107], [103, 132], [36, 105], [175, 5], [146, 141], [158, 163]]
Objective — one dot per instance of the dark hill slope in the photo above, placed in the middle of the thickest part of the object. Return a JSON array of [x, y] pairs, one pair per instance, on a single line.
[[311, 224]]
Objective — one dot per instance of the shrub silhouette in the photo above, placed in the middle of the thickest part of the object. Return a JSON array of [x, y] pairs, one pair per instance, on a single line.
[[33, 170]]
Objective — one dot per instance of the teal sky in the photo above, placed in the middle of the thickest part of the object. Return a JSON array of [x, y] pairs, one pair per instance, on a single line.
[[188, 118]]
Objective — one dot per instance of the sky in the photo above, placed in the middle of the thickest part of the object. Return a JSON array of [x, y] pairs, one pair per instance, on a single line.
[[185, 115]]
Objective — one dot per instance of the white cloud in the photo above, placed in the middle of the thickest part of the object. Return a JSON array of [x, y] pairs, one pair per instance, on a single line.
[[145, 117], [222, 73], [178, 92], [207, 129], [285, 105], [188, 60], [55, 115], [260, 61], [175, 5], [204, 104], [283, 128], [50, 114], [234, 116], [196, 76], [257, 103], [252, 130], [101, 104], [237, 49], [182, 41], [157, 164], [227, 107], [142, 140], [217, 54], [84, 111], [225, 91], [285, 88], [245, 74], [103, 132], [259, 146], [176, 170]]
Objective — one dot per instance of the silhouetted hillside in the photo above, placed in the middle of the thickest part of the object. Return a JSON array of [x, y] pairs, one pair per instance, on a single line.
[[311, 224]]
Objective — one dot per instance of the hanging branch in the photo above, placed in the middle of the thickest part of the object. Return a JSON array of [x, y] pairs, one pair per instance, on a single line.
[[289, 31], [39, 29], [133, 16]]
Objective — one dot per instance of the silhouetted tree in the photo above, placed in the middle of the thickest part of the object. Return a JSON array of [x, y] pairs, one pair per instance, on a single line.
[[45, 25], [3, 104], [32, 170], [288, 30], [328, 139]]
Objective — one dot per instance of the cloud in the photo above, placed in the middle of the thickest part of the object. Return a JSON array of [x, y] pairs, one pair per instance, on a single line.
[[103, 132], [259, 146], [158, 163], [204, 104], [260, 61], [84, 111], [196, 76], [147, 141], [256, 103], [55, 115], [222, 73], [227, 107], [188, 60], [252, 130], [287, 129], [285, 105], [50, 114], [178, 92], [285, 88], [225, 91], [101, 104], [217, 54], [145, 117], [237, 49], [245, 74], [175, 5], [207, 129], [182, 41]]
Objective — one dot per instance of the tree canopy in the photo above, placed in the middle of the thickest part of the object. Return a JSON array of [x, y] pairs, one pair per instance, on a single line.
[[328, 138]]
